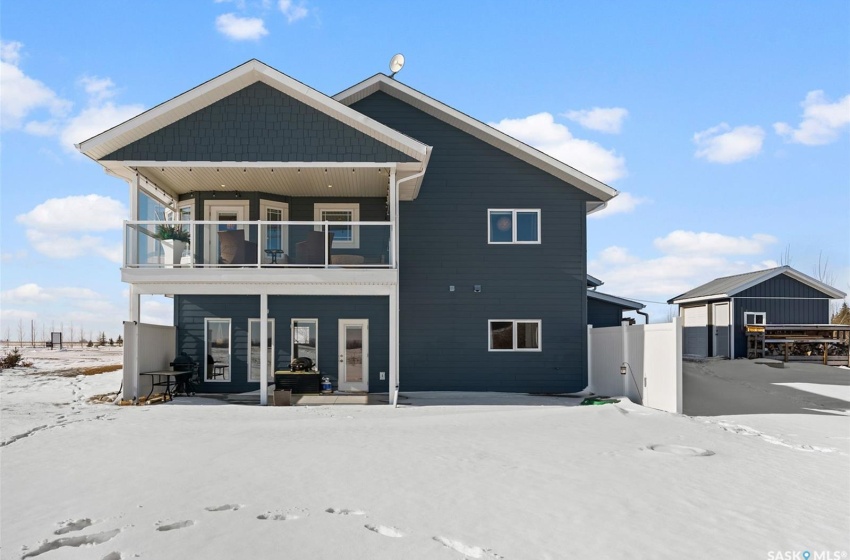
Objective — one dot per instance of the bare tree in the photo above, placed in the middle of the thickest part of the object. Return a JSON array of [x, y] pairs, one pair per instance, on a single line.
[[71, 335], [822, 272], [785, 258], [20, 332], [8, 334], [32, 333]]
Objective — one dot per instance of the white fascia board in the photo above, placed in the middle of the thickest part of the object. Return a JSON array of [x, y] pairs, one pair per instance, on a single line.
[[480, 130], [699, 299], [252, 281], [228, 83], [133, 164]]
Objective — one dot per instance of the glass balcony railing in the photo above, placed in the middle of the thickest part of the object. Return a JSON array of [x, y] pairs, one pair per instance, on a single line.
[[241, 244]]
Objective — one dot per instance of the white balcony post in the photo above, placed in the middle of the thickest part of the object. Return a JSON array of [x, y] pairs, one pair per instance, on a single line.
[[393, 220], [133, 354], [326, 226], [132, 233], [264, 348]]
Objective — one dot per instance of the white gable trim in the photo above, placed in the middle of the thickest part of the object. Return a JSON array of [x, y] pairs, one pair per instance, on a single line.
[[622, 302], [228, 83], [486, 133]]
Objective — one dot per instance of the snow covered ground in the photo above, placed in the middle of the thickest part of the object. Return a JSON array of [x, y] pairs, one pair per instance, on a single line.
[[443, 476]]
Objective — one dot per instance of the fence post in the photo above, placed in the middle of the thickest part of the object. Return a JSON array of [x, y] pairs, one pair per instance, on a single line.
[[590, 358], [624, 358]]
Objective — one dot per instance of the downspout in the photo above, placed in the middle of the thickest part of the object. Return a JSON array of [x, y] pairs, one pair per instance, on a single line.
[[645, 315], [394, 390]]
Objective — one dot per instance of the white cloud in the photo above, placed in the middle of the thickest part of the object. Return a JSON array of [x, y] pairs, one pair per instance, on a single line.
[[608, 120], [60, 227], [292, 11], [682, 242], [29, 293], [724, 144], [555, 139], [23, 95], [241, 28], [822, 120], [76, 213], [157, 310], [9, 256], [623, 203]]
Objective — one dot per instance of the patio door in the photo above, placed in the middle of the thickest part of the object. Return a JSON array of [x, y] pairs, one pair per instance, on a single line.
[[354, 355], [224, 211]]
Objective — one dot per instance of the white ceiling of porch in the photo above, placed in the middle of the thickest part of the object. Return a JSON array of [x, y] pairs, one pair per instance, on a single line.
[[312, 181]]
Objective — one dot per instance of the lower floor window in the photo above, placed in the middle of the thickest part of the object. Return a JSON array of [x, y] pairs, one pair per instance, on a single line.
[[514, 335], [305, 340], [254, 352], [217, 342]]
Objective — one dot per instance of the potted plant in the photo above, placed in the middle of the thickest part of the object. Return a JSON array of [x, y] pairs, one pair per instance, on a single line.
[[174, 240]]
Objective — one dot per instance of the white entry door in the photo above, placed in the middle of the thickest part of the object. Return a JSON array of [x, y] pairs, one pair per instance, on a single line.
[[224, 211], [720, 320], [354, 355]]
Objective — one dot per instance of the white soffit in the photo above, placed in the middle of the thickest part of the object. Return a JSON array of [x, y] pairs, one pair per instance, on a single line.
[[478, 129], [228, 83]]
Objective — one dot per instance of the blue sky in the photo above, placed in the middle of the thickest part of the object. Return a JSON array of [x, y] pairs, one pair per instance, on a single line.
[[724, 124]]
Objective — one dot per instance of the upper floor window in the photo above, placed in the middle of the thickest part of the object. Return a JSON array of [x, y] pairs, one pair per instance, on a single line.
[[513, 226], [346, 236]]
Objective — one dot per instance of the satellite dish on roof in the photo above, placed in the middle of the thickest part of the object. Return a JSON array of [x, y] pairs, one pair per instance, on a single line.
[[396, 64]]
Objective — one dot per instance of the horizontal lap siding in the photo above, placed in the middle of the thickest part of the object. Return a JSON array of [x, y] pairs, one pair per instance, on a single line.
[[190, 312], [443, 242], [603, 313]]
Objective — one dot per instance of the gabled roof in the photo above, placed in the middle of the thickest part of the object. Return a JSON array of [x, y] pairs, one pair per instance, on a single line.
[[728, 286], [230, 82], [622, 302], [484, 132]]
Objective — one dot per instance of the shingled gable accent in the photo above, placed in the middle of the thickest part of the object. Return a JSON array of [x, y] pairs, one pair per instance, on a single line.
[[182, 106], [482, 131], [258, 123]]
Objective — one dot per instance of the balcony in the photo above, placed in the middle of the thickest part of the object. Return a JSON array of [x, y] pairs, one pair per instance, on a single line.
[[257, 244]]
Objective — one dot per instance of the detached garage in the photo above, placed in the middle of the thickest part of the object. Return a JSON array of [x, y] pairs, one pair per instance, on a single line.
[[714, 315]]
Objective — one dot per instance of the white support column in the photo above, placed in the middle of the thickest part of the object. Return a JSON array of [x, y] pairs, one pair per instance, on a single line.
[[131, 236], [394, 377], [264, 348], [134, 198], [135, 317]]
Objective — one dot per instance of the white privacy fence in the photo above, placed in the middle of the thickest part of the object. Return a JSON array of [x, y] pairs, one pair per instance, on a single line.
[[652, 356], [146, 348]]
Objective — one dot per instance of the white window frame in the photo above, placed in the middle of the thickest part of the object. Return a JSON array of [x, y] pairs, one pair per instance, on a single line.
[[229, 374], [515, 323], [513, 212], [255, 324], [292, 338], [265, 206], [755, 314], [354, 208]]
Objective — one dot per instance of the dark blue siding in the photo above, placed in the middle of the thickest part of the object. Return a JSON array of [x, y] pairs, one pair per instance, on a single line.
[[603, 313], [190, 311], [258, 123], [443, 242]]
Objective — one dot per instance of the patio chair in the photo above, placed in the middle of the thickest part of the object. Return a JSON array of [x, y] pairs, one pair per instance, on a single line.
[[312, 250], [235, 249]]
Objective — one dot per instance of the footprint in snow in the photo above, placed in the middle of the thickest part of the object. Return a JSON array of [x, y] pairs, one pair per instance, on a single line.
[[385, 531], [345, 511], [457, 546], [225, 507], [113, 556], [279, 516], [97, 538], [178, 525], [681, 450], [69, 526]]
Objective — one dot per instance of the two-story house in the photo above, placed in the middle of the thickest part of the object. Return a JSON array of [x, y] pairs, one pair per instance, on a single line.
[[388, 237]]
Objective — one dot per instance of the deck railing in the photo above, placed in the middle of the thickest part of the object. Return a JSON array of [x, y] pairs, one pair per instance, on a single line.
[[258, 244]]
